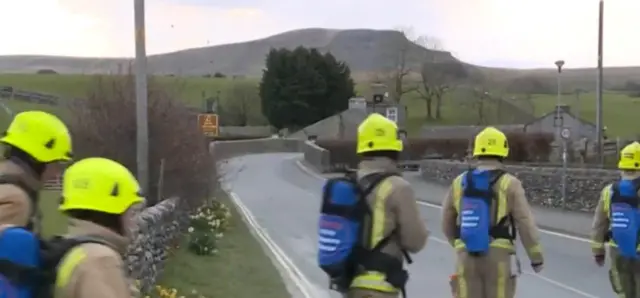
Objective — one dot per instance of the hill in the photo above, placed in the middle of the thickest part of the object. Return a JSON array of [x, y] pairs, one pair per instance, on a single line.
[[365, 50]]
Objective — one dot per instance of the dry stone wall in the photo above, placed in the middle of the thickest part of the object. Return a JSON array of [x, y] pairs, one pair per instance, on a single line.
[[542, 184]]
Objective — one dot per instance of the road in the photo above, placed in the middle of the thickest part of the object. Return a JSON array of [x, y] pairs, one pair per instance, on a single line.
[[284, 200]]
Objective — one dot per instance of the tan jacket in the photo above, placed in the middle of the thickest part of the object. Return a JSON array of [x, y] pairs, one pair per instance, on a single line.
[[101, 273], [517, 206], [15, 204], [601, 224], [401, 210]]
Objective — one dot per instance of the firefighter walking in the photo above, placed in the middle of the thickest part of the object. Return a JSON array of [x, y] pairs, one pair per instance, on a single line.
[[479, 218], [616, 221], [395, 213]]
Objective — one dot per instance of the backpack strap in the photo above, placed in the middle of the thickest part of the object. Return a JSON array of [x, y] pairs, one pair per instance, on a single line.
[[368, 183], [33, 196], [52, 253]]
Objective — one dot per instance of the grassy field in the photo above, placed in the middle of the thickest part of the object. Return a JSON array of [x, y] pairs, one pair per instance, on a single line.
[[53, 222], [619, 110], [240, 269]]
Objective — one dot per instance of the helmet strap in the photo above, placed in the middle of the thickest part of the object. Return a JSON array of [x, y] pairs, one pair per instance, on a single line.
[[25, 161]]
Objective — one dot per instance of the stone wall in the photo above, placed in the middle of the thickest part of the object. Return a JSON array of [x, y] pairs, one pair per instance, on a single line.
[[542, 184], [316, 156], [157, 228], [228, 149]]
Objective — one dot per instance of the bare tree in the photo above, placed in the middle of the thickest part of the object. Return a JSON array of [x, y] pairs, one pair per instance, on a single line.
[[241, 102], [437, 76], [396, 76], [481, 95]]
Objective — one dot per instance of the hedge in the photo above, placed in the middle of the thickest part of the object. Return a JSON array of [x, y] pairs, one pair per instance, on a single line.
[[523, 147]]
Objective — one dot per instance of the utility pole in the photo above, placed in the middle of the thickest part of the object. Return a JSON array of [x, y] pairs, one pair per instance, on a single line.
[[142, 122], [599, 123]]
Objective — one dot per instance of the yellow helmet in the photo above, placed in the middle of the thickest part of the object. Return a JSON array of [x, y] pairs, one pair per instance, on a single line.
[[630, 157], [378, 133], [99, 184], [41, 135], [491, 142]]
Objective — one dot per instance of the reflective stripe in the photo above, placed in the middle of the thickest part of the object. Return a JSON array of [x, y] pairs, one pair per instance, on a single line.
[[456, 191], [68, 264], [374, 281], [463, 290], [501, 285], [503, 185], [371, 279], [605, 196]]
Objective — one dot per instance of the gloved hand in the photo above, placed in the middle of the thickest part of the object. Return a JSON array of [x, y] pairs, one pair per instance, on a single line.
[[599, 259], [537, 267]]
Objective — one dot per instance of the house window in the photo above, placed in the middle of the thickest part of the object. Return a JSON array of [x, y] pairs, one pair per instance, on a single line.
[[392, 114]]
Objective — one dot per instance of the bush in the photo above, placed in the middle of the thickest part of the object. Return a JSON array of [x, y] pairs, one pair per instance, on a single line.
[[522, 147], [208, 225], [46, 71], [104, 124]]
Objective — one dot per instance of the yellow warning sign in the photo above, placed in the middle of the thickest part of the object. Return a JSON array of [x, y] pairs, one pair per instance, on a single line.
[[208, 124]]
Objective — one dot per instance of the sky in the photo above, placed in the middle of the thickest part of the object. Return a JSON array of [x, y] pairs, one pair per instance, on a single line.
[[501, 33]]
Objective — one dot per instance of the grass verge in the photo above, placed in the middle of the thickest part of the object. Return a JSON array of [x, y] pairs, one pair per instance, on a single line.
[[239, 269]]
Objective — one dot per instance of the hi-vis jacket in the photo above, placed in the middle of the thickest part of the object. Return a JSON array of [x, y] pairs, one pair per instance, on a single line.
[[601, 223], [93, 270], [511, 200], [16, 208], [394, 207]]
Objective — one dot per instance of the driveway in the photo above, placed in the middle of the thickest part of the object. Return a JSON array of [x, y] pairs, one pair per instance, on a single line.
[[284, 201]]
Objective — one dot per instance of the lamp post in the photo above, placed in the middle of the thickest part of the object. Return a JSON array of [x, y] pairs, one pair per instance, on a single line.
[[599, 123], [142, 123], [563, 133]]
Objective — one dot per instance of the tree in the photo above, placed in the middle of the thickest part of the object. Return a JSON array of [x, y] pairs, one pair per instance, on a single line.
[[437, 77], [303, 86], [396, 76], [242, 105]]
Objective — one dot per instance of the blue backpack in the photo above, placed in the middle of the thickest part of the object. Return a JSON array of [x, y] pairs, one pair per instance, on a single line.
[[624, 216], [343, 228], [478, 199], [28, 264]]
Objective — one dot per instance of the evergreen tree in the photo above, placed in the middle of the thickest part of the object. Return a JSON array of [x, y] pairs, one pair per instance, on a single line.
[[303, 86]]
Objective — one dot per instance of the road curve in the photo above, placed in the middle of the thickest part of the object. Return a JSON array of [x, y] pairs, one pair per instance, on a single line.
[[284, 201]]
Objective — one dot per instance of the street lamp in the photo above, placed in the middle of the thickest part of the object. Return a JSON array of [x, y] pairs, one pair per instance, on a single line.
[[562, 133], [599, 123], [142, 123]]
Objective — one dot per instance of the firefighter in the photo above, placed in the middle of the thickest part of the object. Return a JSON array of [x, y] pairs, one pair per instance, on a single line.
[[479, 218], [395, 212], [620, 228], [36, 143], [100, 197]]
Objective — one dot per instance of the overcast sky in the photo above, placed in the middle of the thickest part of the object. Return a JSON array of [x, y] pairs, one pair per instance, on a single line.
[[510, 33]]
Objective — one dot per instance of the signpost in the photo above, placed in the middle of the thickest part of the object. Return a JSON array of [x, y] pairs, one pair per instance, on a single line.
[[208, 123]]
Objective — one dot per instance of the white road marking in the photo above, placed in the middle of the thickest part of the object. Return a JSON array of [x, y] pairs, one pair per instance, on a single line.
[[444, 242], [298, 278]]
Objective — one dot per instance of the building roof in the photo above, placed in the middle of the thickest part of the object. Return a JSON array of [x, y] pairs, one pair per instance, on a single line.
[[564, 110], [464, 131]]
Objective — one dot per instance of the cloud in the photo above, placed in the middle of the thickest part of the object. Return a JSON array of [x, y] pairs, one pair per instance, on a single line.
[[536, 32]]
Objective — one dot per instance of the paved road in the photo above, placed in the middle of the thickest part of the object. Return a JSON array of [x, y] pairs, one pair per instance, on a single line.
[[284, 200]]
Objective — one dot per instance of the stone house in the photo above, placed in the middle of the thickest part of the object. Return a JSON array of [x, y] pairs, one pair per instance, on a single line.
[[563, 117]]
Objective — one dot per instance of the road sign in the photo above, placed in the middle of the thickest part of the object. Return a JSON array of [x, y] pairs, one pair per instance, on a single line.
[[565, 133], [208, 124]]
